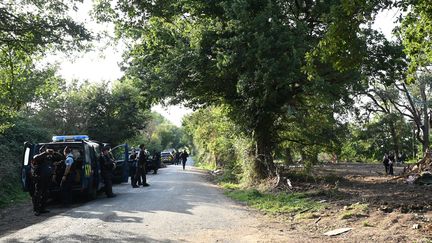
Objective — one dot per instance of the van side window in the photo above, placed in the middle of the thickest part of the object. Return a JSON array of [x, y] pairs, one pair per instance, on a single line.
[[27, 156], [87, 154], [97, 151]]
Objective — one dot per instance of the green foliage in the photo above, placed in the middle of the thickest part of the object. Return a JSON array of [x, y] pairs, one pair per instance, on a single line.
[[355, 210], [371, 140], [159, 135], [40, 24], [11, 149], [416, 32], [367, 224], [275, 203], [218, 142], [283, 78], [27, 30], [21, 83], [11, 194], [105, 115], [108, 115], [310, 131], [205, 166], [229, 186], [248, 56], [213, 135]]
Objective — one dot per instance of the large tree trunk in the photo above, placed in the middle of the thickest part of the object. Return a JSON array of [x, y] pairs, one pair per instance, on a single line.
[[288, 156], [264, 166], [394, 138], [425, 117]]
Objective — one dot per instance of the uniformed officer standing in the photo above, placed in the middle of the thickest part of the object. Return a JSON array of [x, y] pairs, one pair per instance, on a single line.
[[41, 174], [141, 170], [68, 177], [107, 168], [156, 161], [133, 168]]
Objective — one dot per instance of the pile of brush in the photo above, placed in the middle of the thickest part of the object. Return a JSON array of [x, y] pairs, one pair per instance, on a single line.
[[420, 172]]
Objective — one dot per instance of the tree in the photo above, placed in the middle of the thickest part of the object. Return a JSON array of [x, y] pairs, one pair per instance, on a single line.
[[369, 141], [248, 55], [33, 26], [387, 93], [218, 143], [311, 130], [21, 83], [106, 115], [348, 42], [159, 134], [27, 30], [117, 115], [416, 32]]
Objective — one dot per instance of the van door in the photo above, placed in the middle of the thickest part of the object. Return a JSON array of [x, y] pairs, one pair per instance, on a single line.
[[120, 154], [86, 170], [26, 179]]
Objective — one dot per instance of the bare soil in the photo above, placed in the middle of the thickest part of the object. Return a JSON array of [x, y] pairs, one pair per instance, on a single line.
[[395, 211]]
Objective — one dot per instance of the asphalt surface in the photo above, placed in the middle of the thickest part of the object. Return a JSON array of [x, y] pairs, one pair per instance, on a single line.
[[179, 206]]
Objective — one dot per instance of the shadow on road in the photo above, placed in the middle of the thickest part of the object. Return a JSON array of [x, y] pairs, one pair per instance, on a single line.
[[119, 237], [172, 190], [21, 215]]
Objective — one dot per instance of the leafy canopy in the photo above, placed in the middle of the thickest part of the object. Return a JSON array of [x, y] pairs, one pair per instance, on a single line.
[[28, 29]]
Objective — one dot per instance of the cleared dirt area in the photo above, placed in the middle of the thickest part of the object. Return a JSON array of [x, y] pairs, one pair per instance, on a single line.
[[359, 196]]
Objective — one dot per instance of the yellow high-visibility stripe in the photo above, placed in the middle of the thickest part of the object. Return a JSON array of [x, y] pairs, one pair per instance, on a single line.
[[87, 169]]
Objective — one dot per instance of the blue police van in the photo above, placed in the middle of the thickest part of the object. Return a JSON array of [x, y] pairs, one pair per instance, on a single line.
[[86, 153]]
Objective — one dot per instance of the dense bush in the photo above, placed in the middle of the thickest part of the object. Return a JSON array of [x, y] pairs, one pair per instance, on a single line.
[[220, 144], [11, 155]]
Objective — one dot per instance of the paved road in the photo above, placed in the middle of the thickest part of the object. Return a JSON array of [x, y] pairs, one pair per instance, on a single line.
[[179, 206]]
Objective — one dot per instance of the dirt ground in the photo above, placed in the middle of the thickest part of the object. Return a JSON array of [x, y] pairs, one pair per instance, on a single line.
[[391, 209]]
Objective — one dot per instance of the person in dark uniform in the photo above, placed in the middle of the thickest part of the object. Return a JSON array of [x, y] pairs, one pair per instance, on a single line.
[[386, 163], [107, 168], [134, 165], [184, 157], [141, 168], [176, 157], [391, 162], [68, 177], [42, 176], [156, 161]]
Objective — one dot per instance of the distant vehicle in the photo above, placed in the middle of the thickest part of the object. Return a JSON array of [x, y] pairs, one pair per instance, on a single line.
[[86, 152], [167, 156]]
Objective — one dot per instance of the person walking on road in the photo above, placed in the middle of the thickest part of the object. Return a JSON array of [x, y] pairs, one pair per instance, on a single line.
[[41, 175], [184, 157], [107, 168]]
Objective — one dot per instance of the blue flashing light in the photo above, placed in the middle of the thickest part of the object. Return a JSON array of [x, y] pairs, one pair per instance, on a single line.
[[70, 138]]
